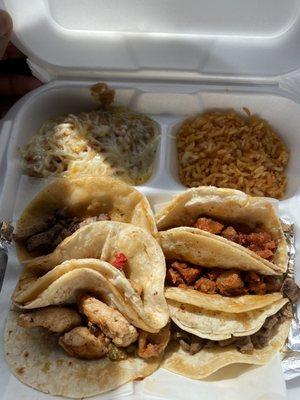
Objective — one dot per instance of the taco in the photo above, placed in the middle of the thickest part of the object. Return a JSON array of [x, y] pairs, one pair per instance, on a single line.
[[223, 309], [83, 328], [133, 252], [65, 205], [92, 315], [230, 221]]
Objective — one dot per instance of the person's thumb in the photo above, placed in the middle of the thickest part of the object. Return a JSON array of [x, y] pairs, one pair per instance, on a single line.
[[5, 31]]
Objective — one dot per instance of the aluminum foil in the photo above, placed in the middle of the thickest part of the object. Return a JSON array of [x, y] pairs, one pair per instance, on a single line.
[[291, 352], [6, 231]]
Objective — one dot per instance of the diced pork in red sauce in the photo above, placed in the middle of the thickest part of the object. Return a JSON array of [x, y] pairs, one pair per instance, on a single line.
[[46, 237], [259, 241], [215, 280]]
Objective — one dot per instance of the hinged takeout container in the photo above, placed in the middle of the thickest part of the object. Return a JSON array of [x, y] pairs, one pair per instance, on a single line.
[[168, 59]]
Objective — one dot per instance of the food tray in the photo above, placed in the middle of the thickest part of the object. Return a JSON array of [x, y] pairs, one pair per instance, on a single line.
[[168, 104]]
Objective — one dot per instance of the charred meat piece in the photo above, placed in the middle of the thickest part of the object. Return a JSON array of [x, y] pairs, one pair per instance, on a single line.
[[190, 343], [55, 230], [81, 343], [230, 282], [291, 290], [205, 285], [188, 272], [56, 319], [244, 344], [110, 321], [273, 283], [209, 225]]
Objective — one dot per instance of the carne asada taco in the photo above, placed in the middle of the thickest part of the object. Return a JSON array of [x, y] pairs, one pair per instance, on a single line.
[[68, 204], [227, 219], [198, 358], [223, 310], [85, 328]]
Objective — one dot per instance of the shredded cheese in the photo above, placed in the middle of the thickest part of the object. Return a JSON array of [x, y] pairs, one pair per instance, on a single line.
[[116, 142]]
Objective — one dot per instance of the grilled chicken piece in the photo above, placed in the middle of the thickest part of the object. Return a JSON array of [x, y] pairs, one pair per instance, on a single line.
[[110, 321], [56, 319], [81, 343]]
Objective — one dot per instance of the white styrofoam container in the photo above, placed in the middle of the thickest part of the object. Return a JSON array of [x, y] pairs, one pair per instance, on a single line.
[[167, 59]]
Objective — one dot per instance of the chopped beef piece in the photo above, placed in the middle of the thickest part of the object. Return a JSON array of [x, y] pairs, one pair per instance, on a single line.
[[43, 240], [273, 283], [174, 277], [291, 290], [205, 285], [244, 344], [209, 225], [119, 261], [270, 322], [55, 229], [196, 346], [100, 217], [184, 345], [261, 338], [226, 342], [189, 274], [230, 281], [190, 343]]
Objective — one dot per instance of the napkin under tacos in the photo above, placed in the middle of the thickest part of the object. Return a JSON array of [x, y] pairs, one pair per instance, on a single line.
[[223, 311], [68, 204], [88, 326], [230, 220]]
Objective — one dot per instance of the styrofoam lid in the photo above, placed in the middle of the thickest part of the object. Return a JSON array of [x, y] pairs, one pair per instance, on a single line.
[[209, 37]]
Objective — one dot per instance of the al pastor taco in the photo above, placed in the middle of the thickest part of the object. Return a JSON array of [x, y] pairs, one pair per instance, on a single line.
[[230, 221]]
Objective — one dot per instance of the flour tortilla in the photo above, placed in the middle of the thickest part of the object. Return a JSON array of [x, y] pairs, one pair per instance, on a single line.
[[228, 205], [204, 249], [209, 360], [37, 360], [85, 197], [220, 325], [217, 302], [62, 284]]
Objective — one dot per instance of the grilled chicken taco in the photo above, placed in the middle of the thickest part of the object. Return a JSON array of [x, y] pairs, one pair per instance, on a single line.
[[232, 222], [223, 311], [68, 204], [88, 325]]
